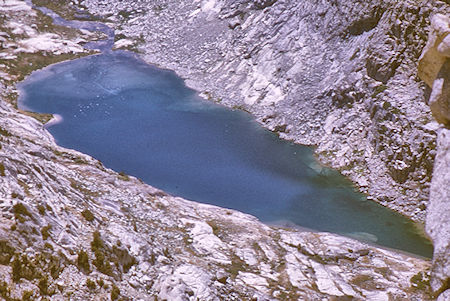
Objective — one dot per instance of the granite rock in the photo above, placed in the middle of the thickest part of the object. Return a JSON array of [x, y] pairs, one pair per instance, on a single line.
[[434, 69]]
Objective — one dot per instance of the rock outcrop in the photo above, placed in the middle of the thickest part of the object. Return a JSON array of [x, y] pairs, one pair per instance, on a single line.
[[434, 69], [438, 217]]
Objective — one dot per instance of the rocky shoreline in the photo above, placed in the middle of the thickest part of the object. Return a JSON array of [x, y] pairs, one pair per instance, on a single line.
[[339, 75], [346, 87], [73, 229]]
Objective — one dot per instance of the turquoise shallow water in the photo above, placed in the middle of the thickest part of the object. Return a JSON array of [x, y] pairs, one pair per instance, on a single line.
[[144, 121]]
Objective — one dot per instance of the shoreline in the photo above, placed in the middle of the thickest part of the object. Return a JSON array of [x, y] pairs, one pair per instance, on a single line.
[[194, 84], [189, 83], [55, 120], [213, 66], [178, 248]]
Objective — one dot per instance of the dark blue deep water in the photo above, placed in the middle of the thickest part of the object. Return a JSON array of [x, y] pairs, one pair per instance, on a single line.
[[144, 121]]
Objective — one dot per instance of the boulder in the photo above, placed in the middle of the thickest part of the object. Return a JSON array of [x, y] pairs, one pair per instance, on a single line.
[[437, 49], [434, 67]]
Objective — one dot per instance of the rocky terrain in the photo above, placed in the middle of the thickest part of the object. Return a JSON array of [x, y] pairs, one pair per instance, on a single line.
[[434, 69], [71, 228], [342, 75], [335, 74]]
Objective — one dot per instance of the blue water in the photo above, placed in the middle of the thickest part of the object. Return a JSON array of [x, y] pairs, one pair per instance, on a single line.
[[144, 121]]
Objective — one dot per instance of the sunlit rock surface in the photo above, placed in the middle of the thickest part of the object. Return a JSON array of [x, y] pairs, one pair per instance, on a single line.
[[434, 69], [438, 218]]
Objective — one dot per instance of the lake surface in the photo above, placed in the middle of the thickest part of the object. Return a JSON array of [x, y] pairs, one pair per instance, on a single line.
[[145, 122]]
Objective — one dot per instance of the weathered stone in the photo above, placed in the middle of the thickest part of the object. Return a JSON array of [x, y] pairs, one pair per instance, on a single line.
[[437, 48], [438, 217], [440, 95], [444, 296], [434, 67], [444, 47]]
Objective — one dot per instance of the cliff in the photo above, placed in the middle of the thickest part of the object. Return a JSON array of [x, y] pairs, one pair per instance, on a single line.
[[434, 69]]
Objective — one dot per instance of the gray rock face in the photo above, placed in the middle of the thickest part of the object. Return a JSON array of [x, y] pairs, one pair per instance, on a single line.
[[337, 74], [434, 69], [438, 217]]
